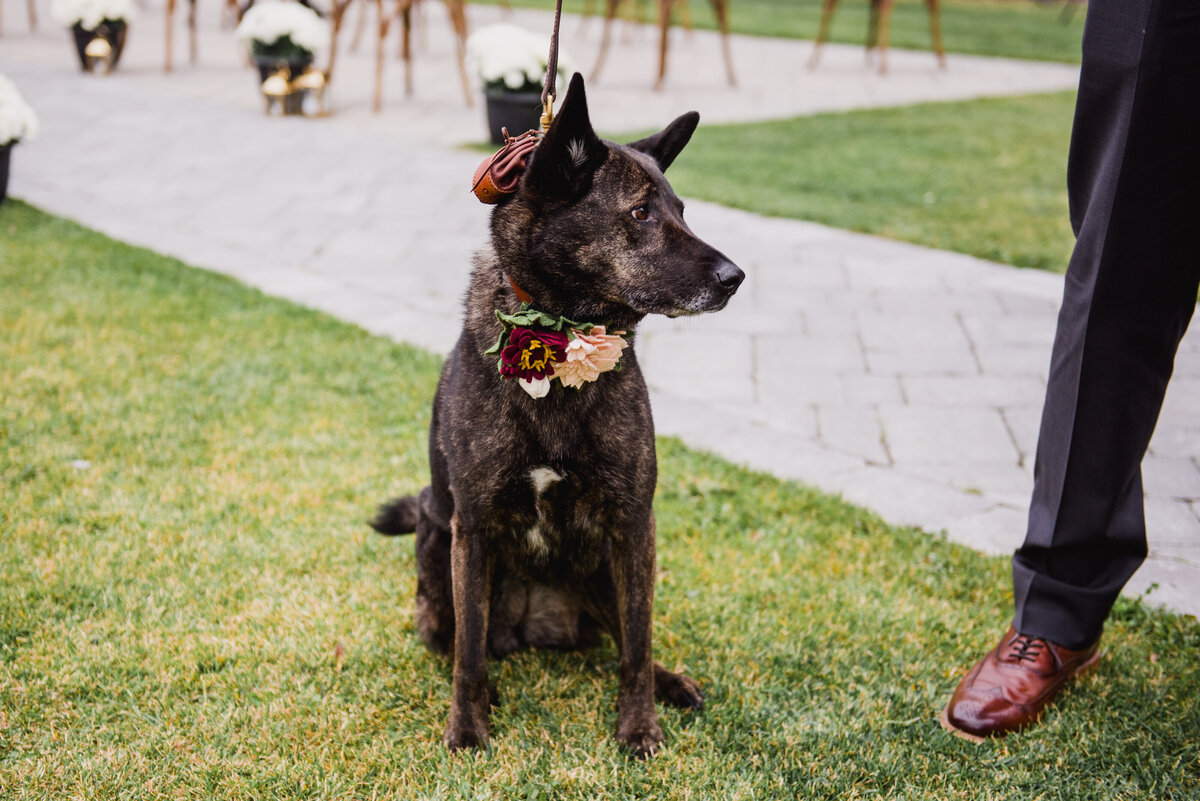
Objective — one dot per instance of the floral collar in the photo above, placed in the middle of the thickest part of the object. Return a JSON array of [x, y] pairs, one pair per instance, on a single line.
[[536, 348]]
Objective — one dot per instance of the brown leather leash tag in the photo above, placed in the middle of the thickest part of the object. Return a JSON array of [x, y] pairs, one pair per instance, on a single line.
[[500, 173]]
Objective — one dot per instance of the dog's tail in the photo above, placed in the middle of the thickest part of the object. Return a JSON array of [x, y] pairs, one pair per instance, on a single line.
[[397, 517]]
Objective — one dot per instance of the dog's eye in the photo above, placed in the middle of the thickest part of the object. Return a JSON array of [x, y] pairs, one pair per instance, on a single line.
[[640, 214]]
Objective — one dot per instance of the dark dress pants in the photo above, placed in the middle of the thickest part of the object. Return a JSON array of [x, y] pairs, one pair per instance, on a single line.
[[1134, 186]]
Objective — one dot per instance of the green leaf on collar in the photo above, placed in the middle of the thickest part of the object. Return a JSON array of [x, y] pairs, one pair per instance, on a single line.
[[529, 317]]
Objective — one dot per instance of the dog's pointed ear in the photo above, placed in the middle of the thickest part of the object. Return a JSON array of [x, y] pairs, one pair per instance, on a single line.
[[665, 145], [570, 152]]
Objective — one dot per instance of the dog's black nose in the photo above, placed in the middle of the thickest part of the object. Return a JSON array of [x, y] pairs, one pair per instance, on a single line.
[[728, 275]]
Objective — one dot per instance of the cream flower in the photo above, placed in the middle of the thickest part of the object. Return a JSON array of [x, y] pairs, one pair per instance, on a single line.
[[90, 13], [589, 355], [268, 22], [536, 387], [506, 55]]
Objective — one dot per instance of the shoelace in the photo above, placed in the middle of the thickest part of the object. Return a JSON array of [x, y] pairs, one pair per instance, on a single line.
[[1025, 648]]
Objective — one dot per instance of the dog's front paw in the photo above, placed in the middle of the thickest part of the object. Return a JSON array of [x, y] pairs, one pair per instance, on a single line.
[[677, 689], [640, 738], [460, 737]]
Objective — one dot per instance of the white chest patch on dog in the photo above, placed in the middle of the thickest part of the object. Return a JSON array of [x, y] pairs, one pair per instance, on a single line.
[[543, 477], [537, 542]]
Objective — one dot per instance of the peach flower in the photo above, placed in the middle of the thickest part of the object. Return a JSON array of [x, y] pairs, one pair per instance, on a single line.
[[589, 355]]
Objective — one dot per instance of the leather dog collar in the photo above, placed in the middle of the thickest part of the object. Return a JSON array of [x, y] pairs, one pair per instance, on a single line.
[[522, 295]]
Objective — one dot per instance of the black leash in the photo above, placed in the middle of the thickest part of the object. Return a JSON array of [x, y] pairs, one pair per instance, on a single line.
[[551, 73], [500, 173]]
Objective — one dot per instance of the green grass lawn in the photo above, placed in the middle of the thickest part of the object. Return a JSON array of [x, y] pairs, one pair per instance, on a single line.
[[985, 177], [1010, 28], [192, 607]]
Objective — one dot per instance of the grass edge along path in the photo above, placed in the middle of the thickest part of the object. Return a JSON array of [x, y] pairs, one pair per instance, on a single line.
[[985, 177], [1039, 31], [191, 605]]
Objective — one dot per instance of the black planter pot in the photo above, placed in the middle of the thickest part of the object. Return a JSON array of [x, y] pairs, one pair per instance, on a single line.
[[269, 65], [518, 112], [5, 158], [110, 31]]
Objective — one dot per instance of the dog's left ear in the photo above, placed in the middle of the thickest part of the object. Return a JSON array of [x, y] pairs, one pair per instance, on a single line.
[[570, 151], [665, 145]]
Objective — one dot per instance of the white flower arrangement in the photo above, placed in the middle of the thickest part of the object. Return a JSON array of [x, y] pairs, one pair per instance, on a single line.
[[91, 14], [508, 58], [282, 29], [17, 120]]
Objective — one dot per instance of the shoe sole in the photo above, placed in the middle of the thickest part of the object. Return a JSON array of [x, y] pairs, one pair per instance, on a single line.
[[957, 732], [977, 739]]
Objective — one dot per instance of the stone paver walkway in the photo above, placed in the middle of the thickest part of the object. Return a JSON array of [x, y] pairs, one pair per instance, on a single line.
[[906, 379]]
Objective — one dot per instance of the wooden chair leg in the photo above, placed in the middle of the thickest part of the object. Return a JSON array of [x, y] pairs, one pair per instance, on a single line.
[[337, 14], [383, 22], [192, 48], [664, 29], [885, 20], [404, 40], [170, 16], [363, 8], [610, 13], [458, 17], [935, 30], [721, 9], [822, 32], [872, 28], [406, 47], [32, 8]]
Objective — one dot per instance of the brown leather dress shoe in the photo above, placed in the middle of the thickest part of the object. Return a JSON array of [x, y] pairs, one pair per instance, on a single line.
[[1011, 686]]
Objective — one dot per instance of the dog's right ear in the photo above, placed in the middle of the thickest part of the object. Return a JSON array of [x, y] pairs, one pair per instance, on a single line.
[[570, 152], [665, 145]]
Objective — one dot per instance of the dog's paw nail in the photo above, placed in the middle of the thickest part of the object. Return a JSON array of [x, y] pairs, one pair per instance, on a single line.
[[643, 748], [643, 742]]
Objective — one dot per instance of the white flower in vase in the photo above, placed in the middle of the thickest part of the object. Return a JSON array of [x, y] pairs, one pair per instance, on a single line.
[[508, 58], [283, 30], [17, 120], [91, 14]]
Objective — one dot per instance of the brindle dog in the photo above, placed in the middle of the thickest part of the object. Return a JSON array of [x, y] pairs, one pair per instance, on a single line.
[[537, 528]]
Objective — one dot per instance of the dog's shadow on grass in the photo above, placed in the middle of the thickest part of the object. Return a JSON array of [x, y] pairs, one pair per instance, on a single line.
[[537, 692]]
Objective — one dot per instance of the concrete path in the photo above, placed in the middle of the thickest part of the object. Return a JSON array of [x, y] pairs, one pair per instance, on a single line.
[[906, 379]]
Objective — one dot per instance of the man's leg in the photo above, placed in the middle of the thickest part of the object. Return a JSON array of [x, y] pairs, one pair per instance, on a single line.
[[1130, 291]]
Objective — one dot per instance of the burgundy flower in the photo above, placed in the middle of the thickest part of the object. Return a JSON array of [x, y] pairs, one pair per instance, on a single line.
[[531, 354]]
